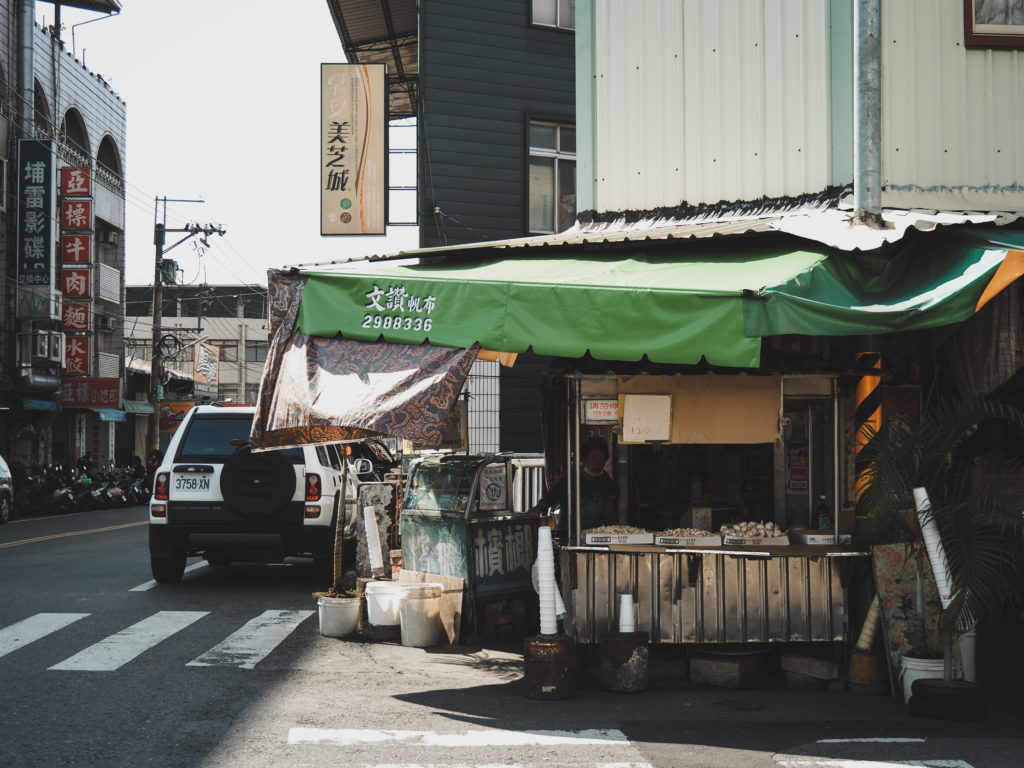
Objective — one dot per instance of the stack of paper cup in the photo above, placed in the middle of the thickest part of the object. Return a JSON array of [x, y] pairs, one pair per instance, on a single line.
[[546, 582], [627, 621], [933, 544]]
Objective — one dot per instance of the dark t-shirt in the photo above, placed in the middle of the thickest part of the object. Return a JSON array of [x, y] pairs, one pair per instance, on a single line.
[[594, 492]]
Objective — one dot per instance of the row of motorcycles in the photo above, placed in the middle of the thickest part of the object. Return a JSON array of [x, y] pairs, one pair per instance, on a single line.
[[55, 488]]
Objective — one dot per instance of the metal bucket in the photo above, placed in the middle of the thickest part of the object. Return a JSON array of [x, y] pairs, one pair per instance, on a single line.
[[624, 661], [550, 667]]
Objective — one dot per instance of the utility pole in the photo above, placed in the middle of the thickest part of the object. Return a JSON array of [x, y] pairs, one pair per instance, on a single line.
[[160, 231]]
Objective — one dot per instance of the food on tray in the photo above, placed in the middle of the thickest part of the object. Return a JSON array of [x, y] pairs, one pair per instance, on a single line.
[[686, 533], [617, 529], [750, 530]]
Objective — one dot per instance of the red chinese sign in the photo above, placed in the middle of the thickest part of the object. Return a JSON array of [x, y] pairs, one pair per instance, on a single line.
[[91, 393], [76, 214], [75, 249], [74, 316], [76, 181], [76, 355], [75, 283]]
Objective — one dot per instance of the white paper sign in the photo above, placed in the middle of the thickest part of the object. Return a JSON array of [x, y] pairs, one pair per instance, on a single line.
[[493, 487], [646, 418]]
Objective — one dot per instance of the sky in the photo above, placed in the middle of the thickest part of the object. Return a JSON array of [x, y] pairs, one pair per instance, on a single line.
[[223, 105]]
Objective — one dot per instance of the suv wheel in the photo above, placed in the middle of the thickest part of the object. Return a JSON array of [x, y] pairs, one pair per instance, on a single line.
[[257, 485], [5, 509], [168, 569]]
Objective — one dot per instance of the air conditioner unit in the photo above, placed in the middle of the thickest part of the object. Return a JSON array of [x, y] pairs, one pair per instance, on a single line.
[[108, 323], [57, 347], [41, 346]]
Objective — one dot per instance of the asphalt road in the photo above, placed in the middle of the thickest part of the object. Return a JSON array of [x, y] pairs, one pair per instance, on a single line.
[[101, 667]]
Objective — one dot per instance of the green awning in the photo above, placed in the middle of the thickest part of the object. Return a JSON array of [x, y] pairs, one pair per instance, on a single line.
[[137, 406], [619, 305], [925, 280]]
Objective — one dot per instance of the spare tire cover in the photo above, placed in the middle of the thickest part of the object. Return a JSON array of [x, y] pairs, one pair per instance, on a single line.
[[257, 484]]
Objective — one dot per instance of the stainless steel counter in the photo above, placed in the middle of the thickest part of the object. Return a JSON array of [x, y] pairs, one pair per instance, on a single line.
[[710, 595]]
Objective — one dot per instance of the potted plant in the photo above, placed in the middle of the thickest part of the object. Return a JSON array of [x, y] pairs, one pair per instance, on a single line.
[[339, 606], [974, 506]]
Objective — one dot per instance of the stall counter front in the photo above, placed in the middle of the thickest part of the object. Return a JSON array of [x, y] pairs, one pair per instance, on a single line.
[[740, 594]]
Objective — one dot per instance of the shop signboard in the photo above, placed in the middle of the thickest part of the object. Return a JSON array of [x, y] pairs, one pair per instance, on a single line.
[[205, 370], [353, 149], [493, 487], [75, 248], [91, 393], [76, 182], [76, 214], [76, 355], [171, 415], [76, 282], [75, 315]]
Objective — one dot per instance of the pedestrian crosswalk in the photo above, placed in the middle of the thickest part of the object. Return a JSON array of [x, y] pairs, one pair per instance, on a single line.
[[243, 648]]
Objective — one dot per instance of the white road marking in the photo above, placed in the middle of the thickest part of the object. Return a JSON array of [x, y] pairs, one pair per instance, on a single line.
[[831, 763], [150, 584], [34, 627], [874, 740], [113, 652], [494, 765], [484, 738], [253, 642]]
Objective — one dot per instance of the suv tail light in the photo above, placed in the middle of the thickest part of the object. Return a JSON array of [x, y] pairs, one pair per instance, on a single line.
[[161, 487], [313, 487]]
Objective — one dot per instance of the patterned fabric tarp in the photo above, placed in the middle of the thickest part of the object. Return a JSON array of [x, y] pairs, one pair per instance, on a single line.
[[320, 390]]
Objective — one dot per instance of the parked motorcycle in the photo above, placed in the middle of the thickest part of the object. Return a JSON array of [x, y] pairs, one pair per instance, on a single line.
[[43, 490]]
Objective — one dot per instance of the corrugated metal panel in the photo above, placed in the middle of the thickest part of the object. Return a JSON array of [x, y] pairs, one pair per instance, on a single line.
[[701, 101], [952, 118]]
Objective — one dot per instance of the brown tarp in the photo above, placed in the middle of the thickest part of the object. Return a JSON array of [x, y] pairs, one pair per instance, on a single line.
[[319, 390]]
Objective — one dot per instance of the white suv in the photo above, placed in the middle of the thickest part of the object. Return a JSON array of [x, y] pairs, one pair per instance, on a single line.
[[213, 496]]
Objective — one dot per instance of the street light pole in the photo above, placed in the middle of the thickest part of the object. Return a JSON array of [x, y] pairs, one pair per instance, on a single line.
[[160, 231]]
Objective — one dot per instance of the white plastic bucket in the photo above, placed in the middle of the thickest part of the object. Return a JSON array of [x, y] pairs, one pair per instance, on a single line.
[[419, 609], [382, 601], [912, 669], [339, 616]]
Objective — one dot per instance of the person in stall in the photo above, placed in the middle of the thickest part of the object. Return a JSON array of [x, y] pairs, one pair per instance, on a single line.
[[598, 492]]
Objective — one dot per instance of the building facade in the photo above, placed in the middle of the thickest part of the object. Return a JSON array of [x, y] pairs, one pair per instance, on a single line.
[[62, 148], [214, 344], [492, 87]]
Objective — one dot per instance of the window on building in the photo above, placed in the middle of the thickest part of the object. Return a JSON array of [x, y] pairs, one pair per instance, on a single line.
[[255, 351], [252, 393], [552, 177], [229, 351], [555, 13]]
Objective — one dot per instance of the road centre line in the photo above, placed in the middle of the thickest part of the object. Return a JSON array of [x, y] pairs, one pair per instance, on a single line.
[[150, 584], [33, 628], [52, 536], [476, 738]]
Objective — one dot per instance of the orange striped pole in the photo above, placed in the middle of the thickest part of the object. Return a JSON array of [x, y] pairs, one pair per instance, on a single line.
[[867, 417]]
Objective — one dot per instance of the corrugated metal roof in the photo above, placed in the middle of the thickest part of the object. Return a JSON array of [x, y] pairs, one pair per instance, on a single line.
[[382, 32], [832, 226]]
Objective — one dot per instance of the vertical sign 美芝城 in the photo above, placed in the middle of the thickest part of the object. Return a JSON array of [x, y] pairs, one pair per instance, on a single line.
[[37, 211], [353, 149]]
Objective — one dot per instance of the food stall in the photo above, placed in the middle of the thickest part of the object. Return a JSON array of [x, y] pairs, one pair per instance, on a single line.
[[715, 540], [463, 517]]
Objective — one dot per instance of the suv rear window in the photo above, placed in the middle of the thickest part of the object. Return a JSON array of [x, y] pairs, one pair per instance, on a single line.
[[209, 438]]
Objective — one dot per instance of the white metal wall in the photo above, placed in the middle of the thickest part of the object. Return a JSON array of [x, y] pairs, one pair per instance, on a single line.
[[699, 101], [953, 119]]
